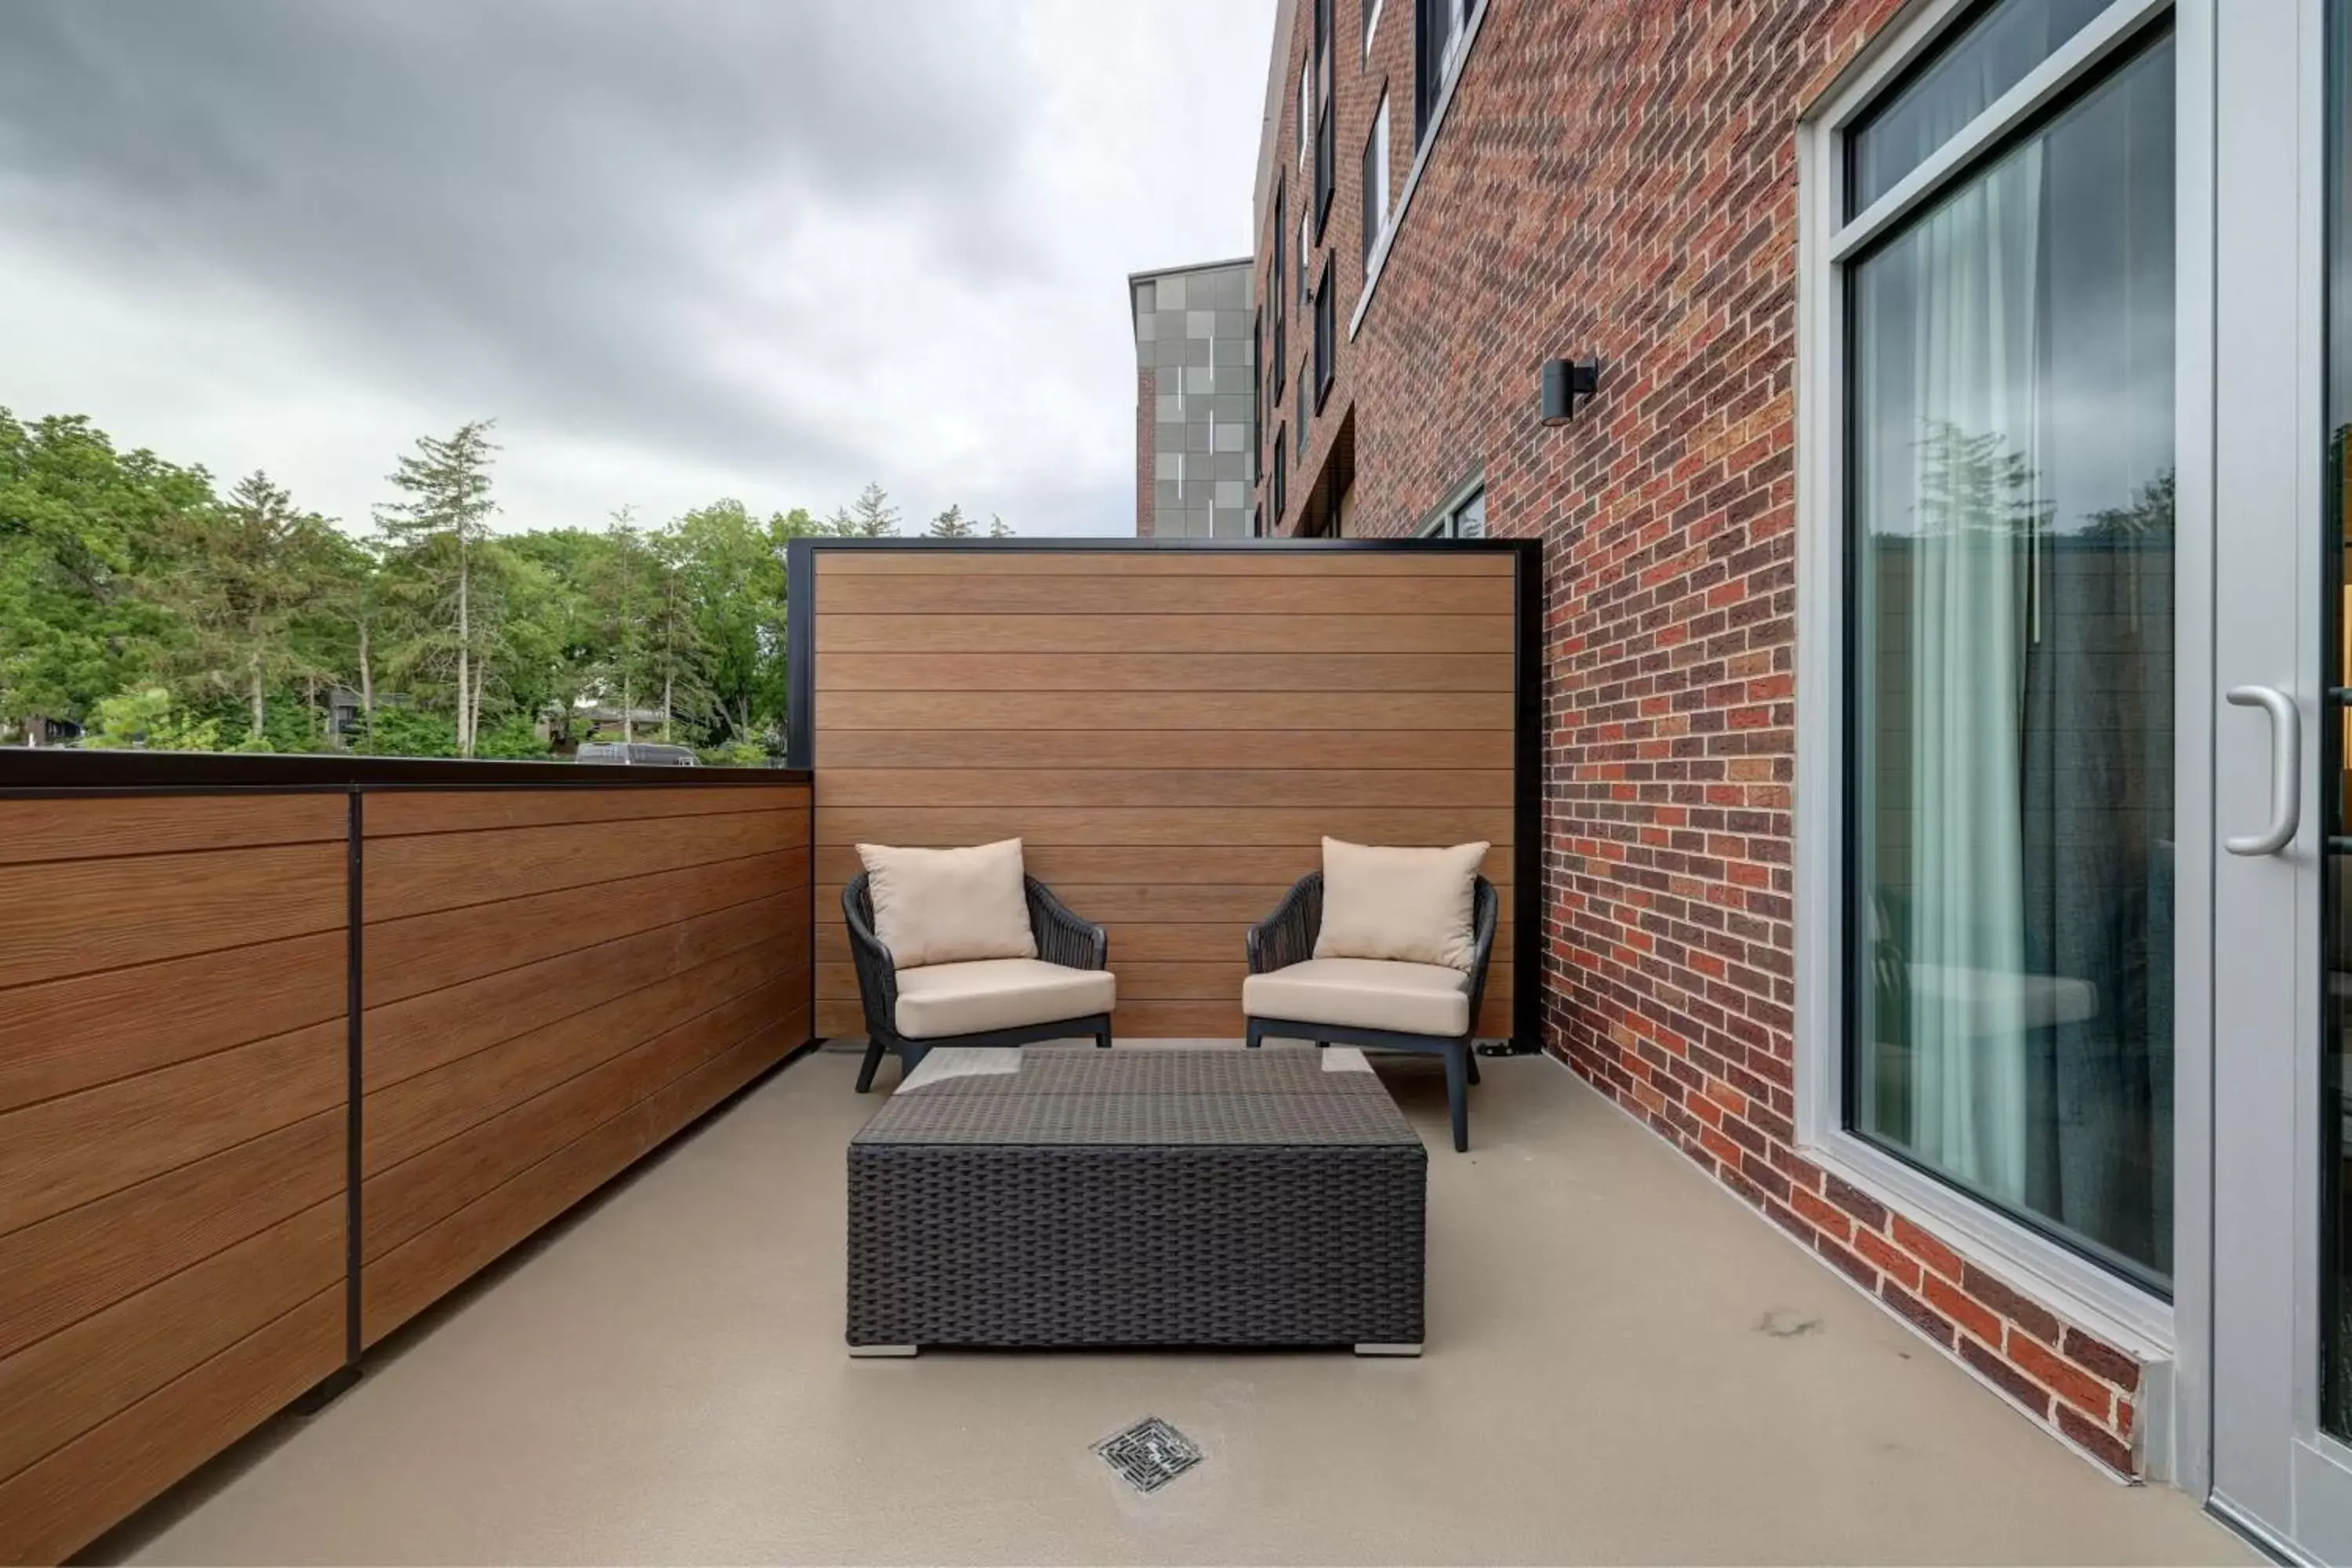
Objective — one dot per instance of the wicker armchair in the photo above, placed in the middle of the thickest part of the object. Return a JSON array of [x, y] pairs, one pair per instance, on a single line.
[[1287, 937], [1062, 938]]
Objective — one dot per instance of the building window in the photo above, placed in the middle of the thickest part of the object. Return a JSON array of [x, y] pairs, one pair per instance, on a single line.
[[1305, 384], [1371, 21], [1305, 109], [1276, 503], [1440, 28], [2005, 450], [1278, 294], [1376, 182], [1462, 517], [1323, 297], [1306, 245]]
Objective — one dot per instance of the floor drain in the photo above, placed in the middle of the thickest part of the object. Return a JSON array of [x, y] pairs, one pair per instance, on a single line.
[[1150, 1454]]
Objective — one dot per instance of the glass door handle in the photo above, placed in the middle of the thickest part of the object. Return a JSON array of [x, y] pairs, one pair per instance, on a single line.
[[2286, 770]]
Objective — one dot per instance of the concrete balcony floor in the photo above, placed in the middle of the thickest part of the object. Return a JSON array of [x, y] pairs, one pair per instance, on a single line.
[[1623, 1365]]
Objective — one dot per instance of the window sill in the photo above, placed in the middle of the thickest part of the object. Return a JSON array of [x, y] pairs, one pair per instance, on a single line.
[[2071, 1286], [1421, 156]]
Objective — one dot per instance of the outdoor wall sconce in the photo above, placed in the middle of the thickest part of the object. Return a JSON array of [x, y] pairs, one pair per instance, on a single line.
[[1565, 380]]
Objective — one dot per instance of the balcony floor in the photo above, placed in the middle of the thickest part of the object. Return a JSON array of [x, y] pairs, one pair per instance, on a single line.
[[1623, 1365]]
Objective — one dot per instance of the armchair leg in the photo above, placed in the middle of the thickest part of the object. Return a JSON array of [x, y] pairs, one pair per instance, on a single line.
[[1256, 1033], [866, 1069], [1102, 1039], [1457, 1093], [910, 1056]]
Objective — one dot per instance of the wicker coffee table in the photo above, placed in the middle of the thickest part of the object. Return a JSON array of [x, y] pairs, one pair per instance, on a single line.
[[1072, 1197]]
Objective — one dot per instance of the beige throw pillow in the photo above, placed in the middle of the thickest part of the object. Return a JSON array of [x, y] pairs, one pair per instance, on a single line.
[[948, 906], [1413, 905]]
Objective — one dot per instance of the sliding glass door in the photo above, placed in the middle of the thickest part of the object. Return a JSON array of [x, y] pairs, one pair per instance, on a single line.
[[2281, 246], [2010, 422]]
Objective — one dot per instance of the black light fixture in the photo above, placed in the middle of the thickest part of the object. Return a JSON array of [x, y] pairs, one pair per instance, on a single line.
[[1564, 381]]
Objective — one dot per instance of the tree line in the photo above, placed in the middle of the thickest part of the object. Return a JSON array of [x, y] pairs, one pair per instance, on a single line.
[[139, 607]]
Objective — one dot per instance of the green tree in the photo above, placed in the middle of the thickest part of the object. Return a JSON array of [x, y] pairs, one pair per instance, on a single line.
[[996, 529], [149, 718], [952, 524], [620, 583], [77, 528], [437, 546], [734, 572], [871, 516], [236, 580]]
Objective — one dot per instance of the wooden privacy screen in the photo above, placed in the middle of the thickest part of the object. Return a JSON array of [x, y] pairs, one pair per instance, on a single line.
[[1170, 731], [554, 980]]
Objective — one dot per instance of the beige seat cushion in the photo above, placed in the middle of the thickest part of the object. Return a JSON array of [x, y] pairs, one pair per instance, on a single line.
[[948, 906], [997, 993], [1415, 906], [1367, 993]]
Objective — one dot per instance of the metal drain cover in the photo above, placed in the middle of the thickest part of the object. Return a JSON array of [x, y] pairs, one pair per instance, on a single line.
[[1150, 1454]]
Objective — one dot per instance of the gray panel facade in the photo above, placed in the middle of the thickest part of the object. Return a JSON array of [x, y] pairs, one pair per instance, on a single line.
[[1196, 363]]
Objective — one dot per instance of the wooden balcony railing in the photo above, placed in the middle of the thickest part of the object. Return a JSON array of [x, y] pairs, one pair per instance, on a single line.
[[290, 1048]]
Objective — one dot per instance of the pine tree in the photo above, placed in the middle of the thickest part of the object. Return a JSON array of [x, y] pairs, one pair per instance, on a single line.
[[952, 524], [873, 516], [432, 537], [996, 529]]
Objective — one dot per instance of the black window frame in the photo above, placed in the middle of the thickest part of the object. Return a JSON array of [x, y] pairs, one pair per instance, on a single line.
[[1325, 328], [1374, 202], [1276, 499]]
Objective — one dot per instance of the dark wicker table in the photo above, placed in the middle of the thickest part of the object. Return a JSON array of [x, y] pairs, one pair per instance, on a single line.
[[1070, 1197]]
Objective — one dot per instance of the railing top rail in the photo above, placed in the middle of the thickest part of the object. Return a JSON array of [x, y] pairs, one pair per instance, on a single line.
[[49, 769]]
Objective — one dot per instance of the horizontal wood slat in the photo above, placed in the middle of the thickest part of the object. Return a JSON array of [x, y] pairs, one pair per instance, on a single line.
[[420, 1033], [58, 1387], [393, 813], [1174, 749], [74, 1263], [1162, 672], [58, 1505], [1173, 825], [417, 953], [405, 1198], [420, 873], [1095, 633], [412, 1115], [142, 908], [1188, 710], [1163, 593], [60, 1035], [108, 827], [71, 1150], [1322, 563], [412, 1276], [1095, 865]]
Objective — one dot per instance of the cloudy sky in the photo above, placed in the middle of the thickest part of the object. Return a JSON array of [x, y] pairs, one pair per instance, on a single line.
[[771, 249]]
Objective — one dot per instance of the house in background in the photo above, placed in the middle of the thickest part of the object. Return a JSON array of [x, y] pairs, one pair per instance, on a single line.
[[1927, 411], [1195, 400]]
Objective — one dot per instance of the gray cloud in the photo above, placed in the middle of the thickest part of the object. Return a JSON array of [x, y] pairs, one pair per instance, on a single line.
[[776, 244]]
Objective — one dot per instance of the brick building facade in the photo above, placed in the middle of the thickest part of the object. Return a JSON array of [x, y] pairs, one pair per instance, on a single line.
[[1619, 179]]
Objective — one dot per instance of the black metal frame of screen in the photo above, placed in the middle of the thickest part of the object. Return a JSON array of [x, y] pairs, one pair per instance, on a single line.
[[1530, 902]]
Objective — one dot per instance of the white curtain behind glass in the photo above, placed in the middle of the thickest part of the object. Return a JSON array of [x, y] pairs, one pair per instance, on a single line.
[[1972, 271]]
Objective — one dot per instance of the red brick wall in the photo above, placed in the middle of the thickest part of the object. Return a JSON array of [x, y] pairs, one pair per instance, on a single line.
[[1619, 179]]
